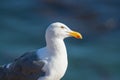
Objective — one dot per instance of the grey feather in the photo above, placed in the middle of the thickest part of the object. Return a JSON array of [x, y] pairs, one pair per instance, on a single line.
[[26, 67]]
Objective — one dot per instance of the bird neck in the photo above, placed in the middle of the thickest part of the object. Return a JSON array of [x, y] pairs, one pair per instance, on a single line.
[[56, 46]]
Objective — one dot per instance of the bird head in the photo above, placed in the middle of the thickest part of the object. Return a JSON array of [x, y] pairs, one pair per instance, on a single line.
[[61, 31]]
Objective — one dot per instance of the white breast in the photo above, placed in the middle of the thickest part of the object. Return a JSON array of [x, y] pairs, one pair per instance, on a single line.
[[55, 65]]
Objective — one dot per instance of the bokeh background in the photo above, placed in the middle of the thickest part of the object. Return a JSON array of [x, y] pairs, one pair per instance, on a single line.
[[96, 57]]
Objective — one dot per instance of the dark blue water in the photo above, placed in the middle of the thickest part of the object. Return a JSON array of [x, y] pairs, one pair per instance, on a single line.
[[96, 57]]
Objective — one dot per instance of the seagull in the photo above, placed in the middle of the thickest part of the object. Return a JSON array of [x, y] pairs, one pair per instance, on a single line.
[[47, 63]]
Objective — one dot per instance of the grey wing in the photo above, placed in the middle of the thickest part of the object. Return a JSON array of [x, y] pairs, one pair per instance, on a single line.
[[26, 67]]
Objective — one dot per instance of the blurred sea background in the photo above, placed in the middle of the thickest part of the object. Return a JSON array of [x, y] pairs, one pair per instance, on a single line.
[[96, 57]]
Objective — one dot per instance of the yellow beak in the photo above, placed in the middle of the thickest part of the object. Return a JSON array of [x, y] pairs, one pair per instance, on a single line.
[[75, 34]]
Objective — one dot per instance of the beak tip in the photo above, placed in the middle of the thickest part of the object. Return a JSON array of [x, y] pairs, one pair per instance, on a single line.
[[80, 37], [76, 35]]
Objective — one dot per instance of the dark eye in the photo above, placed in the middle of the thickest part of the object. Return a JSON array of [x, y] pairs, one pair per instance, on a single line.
[[62, 27]]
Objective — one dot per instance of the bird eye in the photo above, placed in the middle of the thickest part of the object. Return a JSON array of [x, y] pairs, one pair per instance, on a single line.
[[62, 27]]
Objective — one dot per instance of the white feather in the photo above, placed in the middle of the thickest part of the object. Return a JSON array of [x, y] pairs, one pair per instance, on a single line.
[[54, 54]]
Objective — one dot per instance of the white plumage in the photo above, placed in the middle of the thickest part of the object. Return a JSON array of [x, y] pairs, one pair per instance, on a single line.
[[54, 54]]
